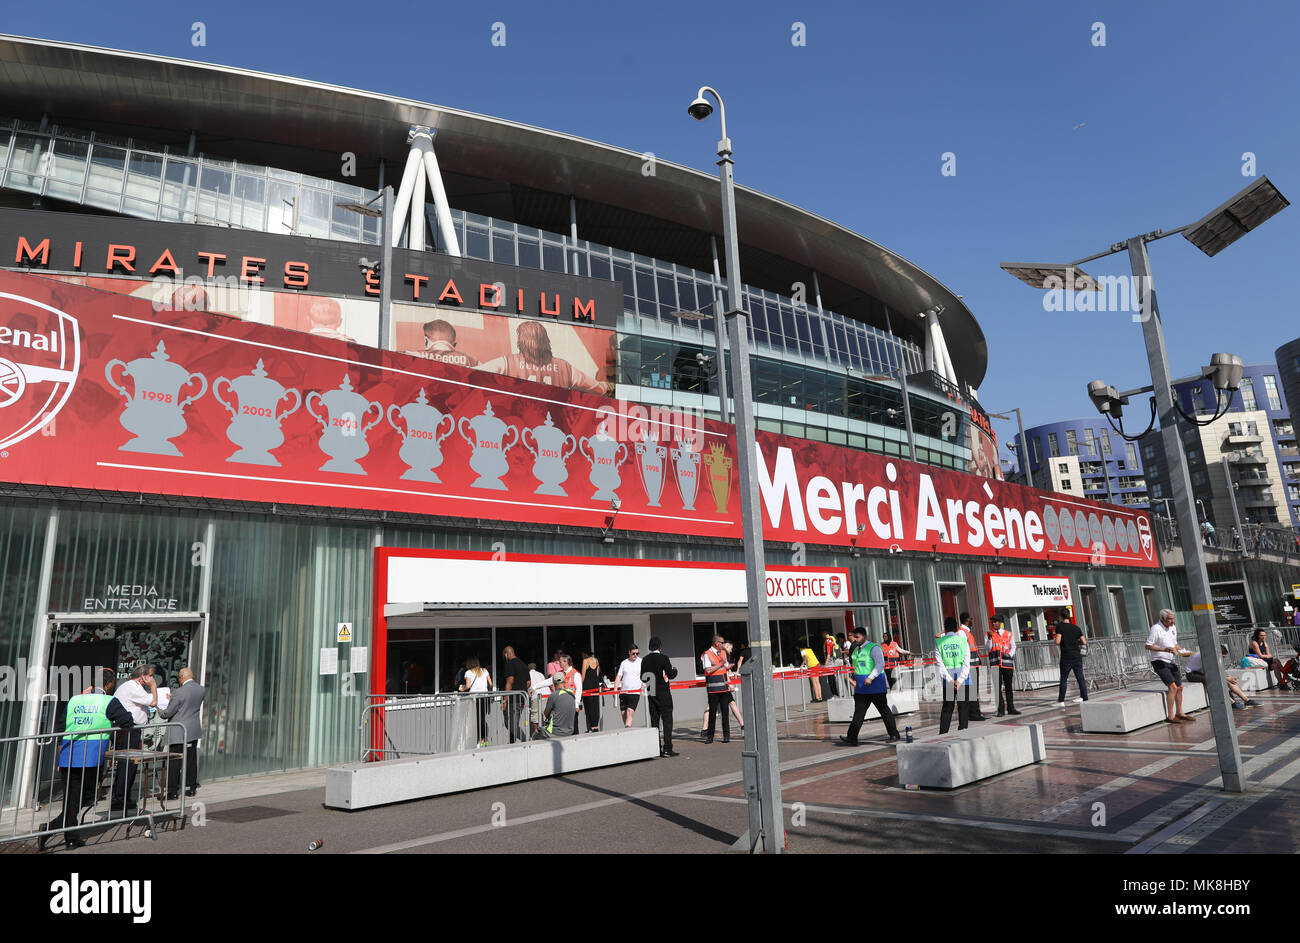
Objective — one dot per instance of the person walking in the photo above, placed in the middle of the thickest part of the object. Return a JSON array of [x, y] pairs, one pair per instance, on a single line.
[[591, 683], [517, 679], [1002, 659], [81, 757], [660, 701], [869, 687], [954, 675], [476, 681], [1069, 638], [715, 664], [968, 631], [628, 684]]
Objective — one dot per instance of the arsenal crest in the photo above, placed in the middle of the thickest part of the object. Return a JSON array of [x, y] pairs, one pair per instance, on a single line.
[[40, 354], [1144, 534], [835, 586]]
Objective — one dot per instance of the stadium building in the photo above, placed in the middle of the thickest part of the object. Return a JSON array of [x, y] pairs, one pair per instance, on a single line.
[[212, 454]]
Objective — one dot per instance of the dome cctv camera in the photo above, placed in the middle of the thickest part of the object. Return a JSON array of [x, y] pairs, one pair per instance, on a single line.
[[700, 109]]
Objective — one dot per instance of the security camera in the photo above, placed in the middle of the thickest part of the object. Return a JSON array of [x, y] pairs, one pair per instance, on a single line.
[[366, 265], [699, 109], [895, 548]]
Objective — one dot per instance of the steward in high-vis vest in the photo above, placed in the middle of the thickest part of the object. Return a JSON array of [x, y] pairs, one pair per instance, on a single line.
[[975, 662], [953, 658], [893, 655], [715, 665], [1002, 656], [869, 687], [86, 741]]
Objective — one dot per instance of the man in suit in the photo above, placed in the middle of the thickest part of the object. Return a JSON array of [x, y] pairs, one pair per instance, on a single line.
[[183, 709], [661, 701]]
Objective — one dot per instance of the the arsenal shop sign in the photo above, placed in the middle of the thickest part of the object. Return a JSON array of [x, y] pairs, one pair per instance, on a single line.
[[104, 245], [101, 391]]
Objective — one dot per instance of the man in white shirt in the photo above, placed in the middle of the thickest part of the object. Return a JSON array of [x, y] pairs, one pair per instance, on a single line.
[[539, 686], [1162, 642], [628, 684], [139, 694]]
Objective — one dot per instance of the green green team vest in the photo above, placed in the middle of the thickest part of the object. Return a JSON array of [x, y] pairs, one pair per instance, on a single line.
[[863, 663], [87, 713], [951, 650]]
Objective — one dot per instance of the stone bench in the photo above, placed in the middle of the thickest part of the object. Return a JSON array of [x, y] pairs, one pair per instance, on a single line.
[[1124, 711], [1251, 679], [364, 785], [839, 710], [957, 758]]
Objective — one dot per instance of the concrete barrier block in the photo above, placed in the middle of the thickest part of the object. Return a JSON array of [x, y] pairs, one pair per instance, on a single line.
[[1250, 679], [955, 759], [839, 710], [1135, 708], [364, 785]]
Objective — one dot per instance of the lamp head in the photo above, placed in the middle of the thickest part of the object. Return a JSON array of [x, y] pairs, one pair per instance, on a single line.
[[1224, 372], [1105, 398], [700, 108]]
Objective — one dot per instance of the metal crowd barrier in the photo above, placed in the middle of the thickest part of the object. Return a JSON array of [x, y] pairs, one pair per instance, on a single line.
[[394, 726], [129, 787]]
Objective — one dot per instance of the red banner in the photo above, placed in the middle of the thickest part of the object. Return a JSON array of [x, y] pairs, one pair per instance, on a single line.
[[103, 391]]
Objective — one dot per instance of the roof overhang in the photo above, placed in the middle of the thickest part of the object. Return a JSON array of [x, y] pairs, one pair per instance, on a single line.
[[164, 98]]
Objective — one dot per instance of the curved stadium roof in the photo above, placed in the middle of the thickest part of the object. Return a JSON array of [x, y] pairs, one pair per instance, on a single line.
[[494, 167]]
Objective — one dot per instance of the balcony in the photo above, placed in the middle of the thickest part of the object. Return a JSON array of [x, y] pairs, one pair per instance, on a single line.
[[1250, 476], [1248, 458], [1289, 454], [1259, 499], [1242, 437]]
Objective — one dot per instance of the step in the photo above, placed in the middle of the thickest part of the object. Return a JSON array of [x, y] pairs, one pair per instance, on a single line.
[[966, 756]]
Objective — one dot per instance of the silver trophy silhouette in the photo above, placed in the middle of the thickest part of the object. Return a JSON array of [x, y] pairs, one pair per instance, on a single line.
[[605, 455], [650, 465], [155, 411], [344, 438], [686, 462], [492, 438], [255, 419], [550, 448], [421, 440]]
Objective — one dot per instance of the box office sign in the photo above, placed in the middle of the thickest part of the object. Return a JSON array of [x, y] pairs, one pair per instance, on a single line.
[[100, 245], [192, 403]]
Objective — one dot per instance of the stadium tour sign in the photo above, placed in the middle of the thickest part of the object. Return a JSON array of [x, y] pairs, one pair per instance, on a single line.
[[197, 403]]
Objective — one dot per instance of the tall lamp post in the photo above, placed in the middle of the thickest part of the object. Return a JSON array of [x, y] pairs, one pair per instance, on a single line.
[[1024, 445], [1211, 234], [385, 257], [761, 768]]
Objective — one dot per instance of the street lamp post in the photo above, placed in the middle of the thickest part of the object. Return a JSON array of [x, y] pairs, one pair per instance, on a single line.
[[760, 763], [385, 257], [1211, 234], [1024, 444]]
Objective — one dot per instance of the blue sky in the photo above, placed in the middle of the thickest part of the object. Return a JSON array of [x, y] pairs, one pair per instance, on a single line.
[[853, 126]]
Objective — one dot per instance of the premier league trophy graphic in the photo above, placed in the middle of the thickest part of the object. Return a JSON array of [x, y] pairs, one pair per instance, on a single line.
[[719, 465], [650, 466], [491, 439], [344, 438], [550, 448], [686, 462], [255, 422], [421, 440], [605, 455], [155, 411]]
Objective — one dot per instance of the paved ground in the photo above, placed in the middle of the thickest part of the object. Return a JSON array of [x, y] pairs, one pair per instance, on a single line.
[[1157, 789]]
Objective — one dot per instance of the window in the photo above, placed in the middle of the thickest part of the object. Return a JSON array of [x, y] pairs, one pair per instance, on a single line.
[[1052, 448], [1072, 441], [1105, 441], [1248, 394], [1198, 398], [1063, 467], [1132, 454], [1038, 456], [1270, 390], [1198, 478], [1065, 485]]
